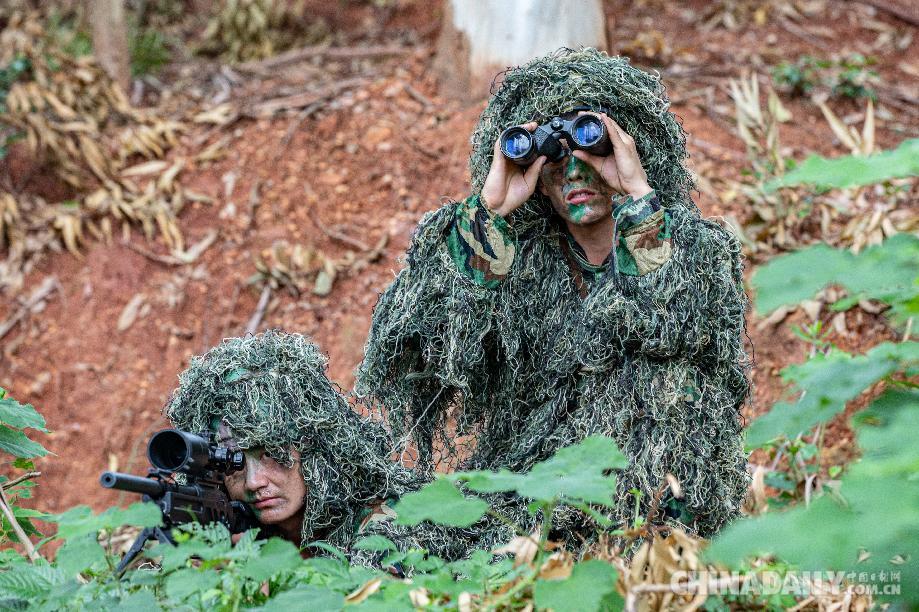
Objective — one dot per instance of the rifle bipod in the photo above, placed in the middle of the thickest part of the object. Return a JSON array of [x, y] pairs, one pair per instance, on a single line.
[[162, 535]]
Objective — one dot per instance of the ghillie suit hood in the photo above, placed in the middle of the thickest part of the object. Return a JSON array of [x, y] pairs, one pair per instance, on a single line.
[[485, 377], [549, 85], [272, 392]]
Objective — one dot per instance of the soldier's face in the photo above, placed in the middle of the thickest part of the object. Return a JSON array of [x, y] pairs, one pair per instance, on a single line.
[[274, 491], [578, 193]]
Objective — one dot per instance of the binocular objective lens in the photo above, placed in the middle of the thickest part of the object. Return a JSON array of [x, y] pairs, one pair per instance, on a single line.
[[517, 144], [588, 131]]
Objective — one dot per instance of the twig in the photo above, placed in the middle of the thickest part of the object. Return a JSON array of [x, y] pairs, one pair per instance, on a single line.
[[895, 10], [353, 242], [259, 313], [44, 290], [267, 108], [254, 200], [417, 95], [297, 55], [166, 260], [17, 528], [9, 484], [796, 30], [295, 125]]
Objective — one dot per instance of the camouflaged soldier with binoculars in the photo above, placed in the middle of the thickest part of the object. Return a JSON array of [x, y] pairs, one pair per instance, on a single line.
[[576, 291]]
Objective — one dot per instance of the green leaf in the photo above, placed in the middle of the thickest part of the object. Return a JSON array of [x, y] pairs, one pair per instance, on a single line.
[[80, 520], [18, 444], [439, 502], [886, 272], [79, 554], [577, 472], [23, 464], [882, 492], [141, 600], [187, 581], [275, 557], [375, 543], [20, 416], [828, 382], [590, 584], [853, 170], [316, 598]]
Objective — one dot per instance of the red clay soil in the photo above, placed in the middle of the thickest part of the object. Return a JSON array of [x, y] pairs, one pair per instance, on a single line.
[[370, 165]]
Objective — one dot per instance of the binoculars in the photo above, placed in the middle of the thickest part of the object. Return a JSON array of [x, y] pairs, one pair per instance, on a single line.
[[585, 132]]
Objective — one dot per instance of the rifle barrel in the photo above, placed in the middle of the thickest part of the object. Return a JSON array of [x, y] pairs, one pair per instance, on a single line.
[[132, 483]]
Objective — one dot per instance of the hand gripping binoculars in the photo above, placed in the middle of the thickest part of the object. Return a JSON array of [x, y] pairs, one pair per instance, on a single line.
[[585, 132]]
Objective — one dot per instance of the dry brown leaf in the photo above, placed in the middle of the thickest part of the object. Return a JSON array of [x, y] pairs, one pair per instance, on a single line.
[[557, 567], [130, 312], [524, 549], [151, 167], [419, 597], [364, 591], [775, 318]]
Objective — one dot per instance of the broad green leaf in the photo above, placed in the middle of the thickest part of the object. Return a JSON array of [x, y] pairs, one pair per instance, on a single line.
[[439, 502], [28, 581], [185, 582], [16, 443], [80, 520], [79, 554], [882, 492], [20, 416], [275, 556], [886, 272], [376, 543], [577, 472], [853, 170], [828, 382], [141, 600], [590, 583], [306, 596]]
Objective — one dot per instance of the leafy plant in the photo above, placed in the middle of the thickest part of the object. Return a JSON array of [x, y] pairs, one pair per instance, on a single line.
[[852, 170], [149, 51], [799, 77], [848, 76], [15, 419], [867, 532]]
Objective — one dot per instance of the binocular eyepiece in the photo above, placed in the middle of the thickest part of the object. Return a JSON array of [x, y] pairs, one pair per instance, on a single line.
[[173, 450], [585, 132]]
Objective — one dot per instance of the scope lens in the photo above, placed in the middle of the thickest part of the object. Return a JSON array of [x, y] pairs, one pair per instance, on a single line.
[[587, 131], [517, 143], [167, 450]]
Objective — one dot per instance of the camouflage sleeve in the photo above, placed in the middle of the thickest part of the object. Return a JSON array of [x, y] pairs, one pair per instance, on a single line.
[[643, 228], [684, 297], [480, 243]]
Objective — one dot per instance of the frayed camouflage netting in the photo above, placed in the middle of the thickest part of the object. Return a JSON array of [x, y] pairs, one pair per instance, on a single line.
[[272, 392], [483, 378]]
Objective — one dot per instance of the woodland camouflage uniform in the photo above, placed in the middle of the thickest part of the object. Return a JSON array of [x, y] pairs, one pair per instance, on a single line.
[[499, 343], [272, 392]]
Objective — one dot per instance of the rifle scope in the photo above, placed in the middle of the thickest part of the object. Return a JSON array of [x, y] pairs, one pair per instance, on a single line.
[[173, 450]]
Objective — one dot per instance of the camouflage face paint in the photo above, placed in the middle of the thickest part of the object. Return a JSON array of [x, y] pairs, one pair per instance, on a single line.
[[577, 192]]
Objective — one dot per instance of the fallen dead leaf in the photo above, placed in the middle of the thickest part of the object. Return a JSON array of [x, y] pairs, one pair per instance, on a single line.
[[130, 311]]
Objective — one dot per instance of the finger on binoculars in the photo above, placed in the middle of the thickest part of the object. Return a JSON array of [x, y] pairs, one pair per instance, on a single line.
[[593, 160], [533, 171]]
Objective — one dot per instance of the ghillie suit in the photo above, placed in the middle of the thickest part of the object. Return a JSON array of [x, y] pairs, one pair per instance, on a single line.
[[499, 333], [272, 392]]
